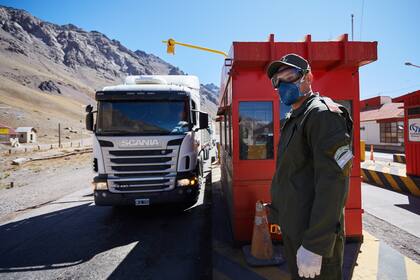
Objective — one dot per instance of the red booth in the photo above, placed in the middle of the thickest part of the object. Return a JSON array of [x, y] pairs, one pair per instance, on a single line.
[[411, 131], [250, 114]]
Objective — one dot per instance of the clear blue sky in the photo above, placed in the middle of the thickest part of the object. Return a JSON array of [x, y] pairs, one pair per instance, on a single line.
[[215, 24]]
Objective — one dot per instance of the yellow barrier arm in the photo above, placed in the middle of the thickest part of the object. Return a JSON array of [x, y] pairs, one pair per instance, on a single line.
[[170, 44]]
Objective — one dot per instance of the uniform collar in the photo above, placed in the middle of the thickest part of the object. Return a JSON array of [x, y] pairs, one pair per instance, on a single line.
[[299, 111]]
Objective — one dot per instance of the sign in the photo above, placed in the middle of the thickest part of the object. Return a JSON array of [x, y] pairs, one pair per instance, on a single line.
[[136, 143], [4, 130], [414, 130]]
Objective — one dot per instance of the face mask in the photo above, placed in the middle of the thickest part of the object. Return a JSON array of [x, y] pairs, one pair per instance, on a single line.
[[290, 92]]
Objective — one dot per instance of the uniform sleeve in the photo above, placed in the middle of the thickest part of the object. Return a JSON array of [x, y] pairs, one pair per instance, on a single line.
[[327, 136]]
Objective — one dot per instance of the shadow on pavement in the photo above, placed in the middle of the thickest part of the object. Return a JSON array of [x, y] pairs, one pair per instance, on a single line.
[[412, 206], [168, 241]]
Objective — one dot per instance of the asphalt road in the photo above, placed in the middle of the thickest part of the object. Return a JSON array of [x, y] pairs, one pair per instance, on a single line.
[[72, 239], [393, 218]]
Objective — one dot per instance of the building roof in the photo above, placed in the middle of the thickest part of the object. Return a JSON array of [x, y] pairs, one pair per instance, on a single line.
[[386, 111], [374, 102], [25, 129], [405, 96]]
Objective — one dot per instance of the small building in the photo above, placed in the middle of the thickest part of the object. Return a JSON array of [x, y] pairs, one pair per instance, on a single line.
[[382, 123], [6, 133], [26, 134], [412, 129]]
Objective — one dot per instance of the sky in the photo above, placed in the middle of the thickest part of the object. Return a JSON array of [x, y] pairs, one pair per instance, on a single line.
[[143, 24]]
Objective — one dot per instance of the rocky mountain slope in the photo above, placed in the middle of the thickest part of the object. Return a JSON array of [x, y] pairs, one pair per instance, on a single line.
[[49, 71]]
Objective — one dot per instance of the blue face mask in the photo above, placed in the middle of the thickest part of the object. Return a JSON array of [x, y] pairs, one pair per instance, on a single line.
[[289, 93]]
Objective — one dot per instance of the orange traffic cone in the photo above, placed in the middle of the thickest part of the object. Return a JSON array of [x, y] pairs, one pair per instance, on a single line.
[[261, 251], [261, 246], [371, 153]]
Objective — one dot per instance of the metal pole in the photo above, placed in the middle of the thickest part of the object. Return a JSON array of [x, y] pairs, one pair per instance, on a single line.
[[173, 42], [352, 27], [59, 136], [411, 64]]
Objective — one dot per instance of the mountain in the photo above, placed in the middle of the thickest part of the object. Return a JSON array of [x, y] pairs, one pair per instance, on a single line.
[[48, 71]]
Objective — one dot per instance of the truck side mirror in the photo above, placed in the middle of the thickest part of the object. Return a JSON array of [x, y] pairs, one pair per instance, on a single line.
[[89, 121], [194, 117], [204, 120]]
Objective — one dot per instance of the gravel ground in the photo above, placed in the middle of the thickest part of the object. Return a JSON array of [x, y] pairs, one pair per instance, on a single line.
[[39, 182], [400, 240]]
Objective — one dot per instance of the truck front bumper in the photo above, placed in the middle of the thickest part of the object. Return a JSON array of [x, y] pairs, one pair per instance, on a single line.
[[179, 195]]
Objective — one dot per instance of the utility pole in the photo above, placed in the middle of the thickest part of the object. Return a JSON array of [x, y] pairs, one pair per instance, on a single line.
[[352, 27], [59, 136]]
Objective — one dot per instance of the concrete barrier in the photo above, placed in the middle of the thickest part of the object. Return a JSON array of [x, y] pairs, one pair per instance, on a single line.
[[392, 177]]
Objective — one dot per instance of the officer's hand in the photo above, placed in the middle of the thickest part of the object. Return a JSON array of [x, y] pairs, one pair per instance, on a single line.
[[308, 263]]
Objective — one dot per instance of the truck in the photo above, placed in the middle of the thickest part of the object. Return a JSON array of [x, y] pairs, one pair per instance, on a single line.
[[147, 141]]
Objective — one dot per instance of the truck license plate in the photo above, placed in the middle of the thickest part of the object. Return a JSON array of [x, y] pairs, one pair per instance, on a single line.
[[142, 201]]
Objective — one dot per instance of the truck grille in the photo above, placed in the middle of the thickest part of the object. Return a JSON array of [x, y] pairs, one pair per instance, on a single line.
[[141, 170]]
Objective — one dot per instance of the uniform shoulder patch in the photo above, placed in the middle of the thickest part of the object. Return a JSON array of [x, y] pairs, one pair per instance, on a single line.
[[332, 106], [343, 155]]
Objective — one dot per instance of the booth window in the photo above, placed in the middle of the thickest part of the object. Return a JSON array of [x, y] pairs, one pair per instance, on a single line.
[[222, 133], [227, 130], [413, 111], [256, 130]]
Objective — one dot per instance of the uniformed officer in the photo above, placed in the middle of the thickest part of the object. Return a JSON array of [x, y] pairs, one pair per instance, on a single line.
[[310, 185]]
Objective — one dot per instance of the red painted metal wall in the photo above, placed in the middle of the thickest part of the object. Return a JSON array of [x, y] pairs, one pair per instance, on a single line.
[[412, 149], [335, 67]]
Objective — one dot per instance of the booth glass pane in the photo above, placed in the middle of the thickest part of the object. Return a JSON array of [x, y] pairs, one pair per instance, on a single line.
[[256, 130], [413, 111]]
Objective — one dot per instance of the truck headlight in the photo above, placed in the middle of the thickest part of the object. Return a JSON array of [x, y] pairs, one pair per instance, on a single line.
[[100, 186], [186, 182]]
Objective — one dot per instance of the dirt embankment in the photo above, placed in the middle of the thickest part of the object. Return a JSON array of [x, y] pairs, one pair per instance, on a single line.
[[39, 182]]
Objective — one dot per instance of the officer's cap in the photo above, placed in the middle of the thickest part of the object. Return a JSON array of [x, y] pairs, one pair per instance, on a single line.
[[292, 60]]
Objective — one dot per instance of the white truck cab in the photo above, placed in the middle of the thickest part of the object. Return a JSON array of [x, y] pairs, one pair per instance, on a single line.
[[146, 143]]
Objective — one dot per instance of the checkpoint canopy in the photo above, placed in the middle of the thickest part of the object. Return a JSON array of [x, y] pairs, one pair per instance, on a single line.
[[250, 113], [411, 131]]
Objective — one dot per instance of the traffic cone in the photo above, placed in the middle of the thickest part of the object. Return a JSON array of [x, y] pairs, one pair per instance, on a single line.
[[371, 153], [261, 251], [261, 246]]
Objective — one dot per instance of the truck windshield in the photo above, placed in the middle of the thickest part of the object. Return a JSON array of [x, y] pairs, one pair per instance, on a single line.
[[142, 117]]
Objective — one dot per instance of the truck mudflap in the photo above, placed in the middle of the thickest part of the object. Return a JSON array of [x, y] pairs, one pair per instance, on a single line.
[[179, 195]]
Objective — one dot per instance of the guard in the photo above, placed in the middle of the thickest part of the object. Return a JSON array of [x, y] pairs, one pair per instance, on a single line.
[[310, 185]]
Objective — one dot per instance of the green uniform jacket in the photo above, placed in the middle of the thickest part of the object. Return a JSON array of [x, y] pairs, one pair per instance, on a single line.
[[310, 185]]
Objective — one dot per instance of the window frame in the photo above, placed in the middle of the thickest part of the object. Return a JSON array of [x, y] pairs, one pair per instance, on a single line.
[[269, 155]]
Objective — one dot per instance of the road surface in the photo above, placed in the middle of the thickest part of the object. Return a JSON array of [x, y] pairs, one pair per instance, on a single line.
[[70, 238]]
